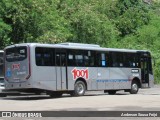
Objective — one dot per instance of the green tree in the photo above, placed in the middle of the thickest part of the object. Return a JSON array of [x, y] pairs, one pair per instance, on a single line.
[[4, 31], [129, 15], [89, 24], [34, 21]]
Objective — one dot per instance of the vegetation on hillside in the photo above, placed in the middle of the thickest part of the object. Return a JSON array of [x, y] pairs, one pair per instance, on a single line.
[[131, 24]]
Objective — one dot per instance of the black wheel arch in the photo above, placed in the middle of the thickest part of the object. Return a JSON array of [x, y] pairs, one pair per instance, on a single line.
[[136, 79]]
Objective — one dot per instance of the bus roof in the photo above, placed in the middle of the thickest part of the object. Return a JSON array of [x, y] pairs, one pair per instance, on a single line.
[[78, 46]]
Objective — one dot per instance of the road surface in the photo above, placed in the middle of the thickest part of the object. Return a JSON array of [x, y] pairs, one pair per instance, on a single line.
[[145, 100]]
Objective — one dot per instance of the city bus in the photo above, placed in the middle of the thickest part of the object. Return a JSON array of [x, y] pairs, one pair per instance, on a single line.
[[1, 71], [74, 68]]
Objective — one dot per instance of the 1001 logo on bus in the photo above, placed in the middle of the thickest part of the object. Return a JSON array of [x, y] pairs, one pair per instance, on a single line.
[[83, 73]]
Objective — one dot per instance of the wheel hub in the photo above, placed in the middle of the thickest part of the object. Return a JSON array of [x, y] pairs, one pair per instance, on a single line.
[[135, 87], [80, 89]]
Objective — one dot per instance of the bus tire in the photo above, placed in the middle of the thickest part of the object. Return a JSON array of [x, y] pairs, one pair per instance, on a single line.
[[134, 87], [112, 92], [79, 89]]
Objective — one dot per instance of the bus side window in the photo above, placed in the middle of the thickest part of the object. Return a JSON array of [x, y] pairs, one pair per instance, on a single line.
[[86, 58], [57, 59], [127, 60], [114, 59], [44, 56], [101, 59], [117, 59], [71, 59], [79, 60], [38, 59], [98, 60], [92, 58], [63, 60], [89, 58]]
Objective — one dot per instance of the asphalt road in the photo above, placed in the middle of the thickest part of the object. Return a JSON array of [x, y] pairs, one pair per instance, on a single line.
[[145, 100]]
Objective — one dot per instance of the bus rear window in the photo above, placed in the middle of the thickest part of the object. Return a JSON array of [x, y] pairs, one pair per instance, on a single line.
[[16, 54]]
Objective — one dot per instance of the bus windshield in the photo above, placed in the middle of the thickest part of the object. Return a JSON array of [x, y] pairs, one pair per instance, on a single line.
[[16, 54]]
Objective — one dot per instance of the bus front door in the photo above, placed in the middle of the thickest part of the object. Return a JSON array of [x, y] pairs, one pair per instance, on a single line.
[[144, 72], [61, 69]]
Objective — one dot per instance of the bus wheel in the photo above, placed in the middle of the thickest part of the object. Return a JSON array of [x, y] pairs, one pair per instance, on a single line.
[[79, 89], [112, 92], [134, 88]]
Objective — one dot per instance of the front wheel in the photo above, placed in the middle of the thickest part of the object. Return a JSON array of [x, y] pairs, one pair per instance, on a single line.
[[79, 89], [134, 88]]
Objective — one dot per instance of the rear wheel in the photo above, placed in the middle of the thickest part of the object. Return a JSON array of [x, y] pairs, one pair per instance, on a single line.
[[134, 87], [79, 89], [112, 92]]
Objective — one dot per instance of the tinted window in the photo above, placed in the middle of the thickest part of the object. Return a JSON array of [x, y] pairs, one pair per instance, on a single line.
[[44, 56], [102, 59], [124, 59], [16, 54], [71, 60], [92, 58], [81, 58], [117, 59], [60, 59], [131, 60]]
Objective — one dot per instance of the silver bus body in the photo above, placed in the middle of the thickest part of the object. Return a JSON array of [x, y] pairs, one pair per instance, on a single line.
[[26, 71]]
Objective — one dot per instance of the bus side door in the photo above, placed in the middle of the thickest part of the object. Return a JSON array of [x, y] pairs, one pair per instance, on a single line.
[[61, 69], [144, 71]]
